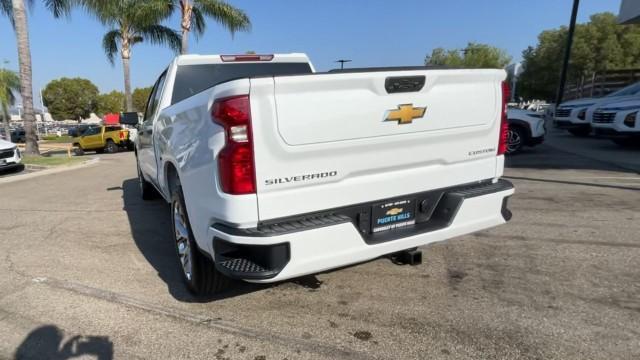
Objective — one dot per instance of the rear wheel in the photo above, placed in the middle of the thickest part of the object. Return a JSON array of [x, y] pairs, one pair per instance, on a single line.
[[111, 147], [515, 140], [580, 132], [79, 151], [198, 271]]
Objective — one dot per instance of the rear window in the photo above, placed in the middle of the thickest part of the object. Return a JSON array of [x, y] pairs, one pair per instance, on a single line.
[[192, 79]]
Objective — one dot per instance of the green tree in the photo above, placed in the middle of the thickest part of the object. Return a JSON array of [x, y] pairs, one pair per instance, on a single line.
[[9, 83], [140, 96], [132, 22], [110, 103], [599, 45], [473, 56], [192, 13], [70, 98], [15, 11]]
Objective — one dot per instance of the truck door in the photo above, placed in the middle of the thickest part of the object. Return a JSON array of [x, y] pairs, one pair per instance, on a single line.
[[92, 138], [146, 152]]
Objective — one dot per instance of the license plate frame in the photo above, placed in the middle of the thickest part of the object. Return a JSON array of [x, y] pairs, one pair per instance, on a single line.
[[393, 214]]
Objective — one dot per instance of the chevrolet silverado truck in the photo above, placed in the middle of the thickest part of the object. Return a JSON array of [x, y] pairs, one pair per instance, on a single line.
[[109, 138], [274, 171]]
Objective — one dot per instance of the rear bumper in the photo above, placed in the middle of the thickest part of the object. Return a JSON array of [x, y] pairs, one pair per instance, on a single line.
[[307, 245]]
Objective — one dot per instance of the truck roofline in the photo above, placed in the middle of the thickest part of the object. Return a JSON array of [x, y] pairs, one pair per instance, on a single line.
[[196, 59]]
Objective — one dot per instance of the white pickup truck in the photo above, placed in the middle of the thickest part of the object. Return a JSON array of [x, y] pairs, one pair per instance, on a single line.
[[274, 171]]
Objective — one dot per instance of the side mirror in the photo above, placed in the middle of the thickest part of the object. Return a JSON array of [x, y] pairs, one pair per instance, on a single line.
[[129, 118]]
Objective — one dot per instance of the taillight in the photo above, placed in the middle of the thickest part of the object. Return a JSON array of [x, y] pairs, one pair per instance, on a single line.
[[123, 135], [251, 57], [504, 123], [236, 165]]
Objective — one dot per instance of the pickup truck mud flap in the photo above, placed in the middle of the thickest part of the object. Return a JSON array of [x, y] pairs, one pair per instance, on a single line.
[[377, 222]]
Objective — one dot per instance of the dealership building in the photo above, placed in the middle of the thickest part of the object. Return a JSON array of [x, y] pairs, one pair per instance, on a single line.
[[629, 12]]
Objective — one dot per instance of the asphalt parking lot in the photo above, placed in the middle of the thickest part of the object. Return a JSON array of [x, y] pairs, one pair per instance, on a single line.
[[89, 270]]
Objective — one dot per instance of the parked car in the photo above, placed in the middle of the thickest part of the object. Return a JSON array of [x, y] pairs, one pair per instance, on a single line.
[[101, 139], [526, 128], [18, 136], [619, 122], [575, 115], [10, 156], [274, 171]]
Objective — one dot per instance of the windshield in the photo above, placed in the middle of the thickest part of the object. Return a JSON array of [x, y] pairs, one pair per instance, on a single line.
[[632, 89]]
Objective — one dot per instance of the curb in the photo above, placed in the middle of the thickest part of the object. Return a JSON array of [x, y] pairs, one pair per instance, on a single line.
[[46, 170]]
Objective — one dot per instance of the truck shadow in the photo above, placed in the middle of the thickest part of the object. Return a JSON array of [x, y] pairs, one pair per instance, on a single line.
[[151, 230], [47, 342]]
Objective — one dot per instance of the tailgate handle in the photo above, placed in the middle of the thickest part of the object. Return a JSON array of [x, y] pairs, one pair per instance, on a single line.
[[402, 84]]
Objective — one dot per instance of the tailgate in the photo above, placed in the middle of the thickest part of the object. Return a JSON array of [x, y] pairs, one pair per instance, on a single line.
[[329, 140]]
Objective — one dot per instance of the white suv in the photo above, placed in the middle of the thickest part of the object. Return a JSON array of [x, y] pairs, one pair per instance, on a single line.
[[575, 115], [618, 121], [9, 155]]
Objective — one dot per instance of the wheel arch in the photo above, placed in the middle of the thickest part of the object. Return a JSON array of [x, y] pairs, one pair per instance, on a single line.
[[170, 174]]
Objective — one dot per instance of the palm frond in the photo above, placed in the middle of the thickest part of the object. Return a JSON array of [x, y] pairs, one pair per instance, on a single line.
[[6, 8], [198, 22], [149, 12], [232, 18], [161, 35], [110, 44], [60, 8], [9, 83], [106, 11]]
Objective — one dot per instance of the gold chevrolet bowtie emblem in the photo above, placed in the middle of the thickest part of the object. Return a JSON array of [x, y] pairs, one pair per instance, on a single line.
[[405, 114], [394, 211]]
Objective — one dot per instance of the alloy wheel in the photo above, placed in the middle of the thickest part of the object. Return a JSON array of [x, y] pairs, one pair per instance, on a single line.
[[183, 243], [514, 141]]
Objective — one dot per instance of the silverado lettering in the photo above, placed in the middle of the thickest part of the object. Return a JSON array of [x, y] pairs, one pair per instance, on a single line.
[[285, 180]]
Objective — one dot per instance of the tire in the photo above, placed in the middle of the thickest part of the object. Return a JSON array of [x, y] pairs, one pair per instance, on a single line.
[[147, 191], [198, 271], [626, 142], [79, 151], [111, 147], [580, 132], [516, 139]]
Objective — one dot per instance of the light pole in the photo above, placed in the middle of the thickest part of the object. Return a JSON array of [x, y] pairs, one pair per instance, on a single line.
[[342, 61], [567, 52]]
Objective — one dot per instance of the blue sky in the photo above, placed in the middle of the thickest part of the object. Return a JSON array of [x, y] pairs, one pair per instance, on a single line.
[[371, 32]]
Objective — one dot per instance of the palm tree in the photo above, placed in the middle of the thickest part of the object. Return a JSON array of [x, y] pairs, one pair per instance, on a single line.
[[9, 82], [15, 11], [228, 16], [132, 22]]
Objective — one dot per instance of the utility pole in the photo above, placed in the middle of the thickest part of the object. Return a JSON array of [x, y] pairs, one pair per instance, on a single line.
[[567, 52], [342, 61]]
